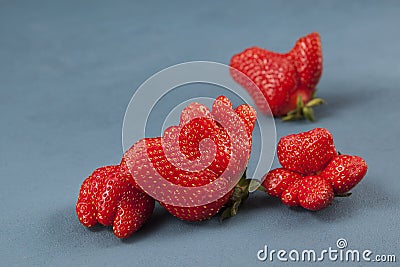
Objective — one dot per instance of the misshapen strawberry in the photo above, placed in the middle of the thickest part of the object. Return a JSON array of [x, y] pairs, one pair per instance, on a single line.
[[275, 76], [344, 172], [290, 197], [312, 173], [308, 152], [315, 193], [306, 55], [134, 209], [107, 197], [278, 180], [197, 123], [287, 81]]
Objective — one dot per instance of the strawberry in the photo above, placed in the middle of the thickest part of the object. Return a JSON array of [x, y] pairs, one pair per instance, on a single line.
[[308, 152], [315, 193], [275, 76], [172, 157], [107, 187], [107, 197], [307, 58], [278, 180], [289, 196], [84, 207], [312, 172], [344, 172], [287, 81], [133, 211], [124, 169]]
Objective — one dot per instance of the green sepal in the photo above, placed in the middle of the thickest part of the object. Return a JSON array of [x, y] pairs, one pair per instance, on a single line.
[[303, 110], [315, 102], [308, 113], [240, 194], [262, 189]]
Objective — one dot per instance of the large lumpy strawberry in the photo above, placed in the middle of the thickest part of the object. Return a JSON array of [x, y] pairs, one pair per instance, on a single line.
[[308, 152], [182, 158], [107, 197], [344, 172], [287, 81]]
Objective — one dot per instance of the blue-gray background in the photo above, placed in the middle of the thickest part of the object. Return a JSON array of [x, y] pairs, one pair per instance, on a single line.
[[69, 68]]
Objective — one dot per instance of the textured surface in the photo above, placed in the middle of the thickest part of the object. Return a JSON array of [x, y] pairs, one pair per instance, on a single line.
[[69, 68]]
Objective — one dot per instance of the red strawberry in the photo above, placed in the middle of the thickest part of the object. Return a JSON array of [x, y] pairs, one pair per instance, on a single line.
[[107, 187], [85, 209], [287, 81], [125, 172], [197, 124], [275, 76], [307, 58], [133, 211], [278, 180], [344, 172], [307, 152], [248, 116], [315, 193], [289, 197], [107, 197]]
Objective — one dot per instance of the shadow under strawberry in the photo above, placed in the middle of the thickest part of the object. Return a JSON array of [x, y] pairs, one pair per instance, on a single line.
[[62, 229], [344, 101], [159, 218], [366, 198]]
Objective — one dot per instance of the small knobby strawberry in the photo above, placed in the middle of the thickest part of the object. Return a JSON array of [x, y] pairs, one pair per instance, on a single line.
[[108, 198], [289, 196], [307, 152], [287, 81], [315, 193], [278, 180], [163, 154], [344, 172], [312, 173]]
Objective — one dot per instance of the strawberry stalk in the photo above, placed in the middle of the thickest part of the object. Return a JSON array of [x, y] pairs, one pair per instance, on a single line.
[[240, 194], [303, 110]]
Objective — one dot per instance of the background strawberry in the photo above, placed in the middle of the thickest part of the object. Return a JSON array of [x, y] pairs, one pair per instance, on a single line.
[[274, 75], [287, 81], [344, 172], [308, 152], [306, 55]]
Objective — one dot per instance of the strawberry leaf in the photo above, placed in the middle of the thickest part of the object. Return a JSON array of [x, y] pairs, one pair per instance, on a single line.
[[240, 194]]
